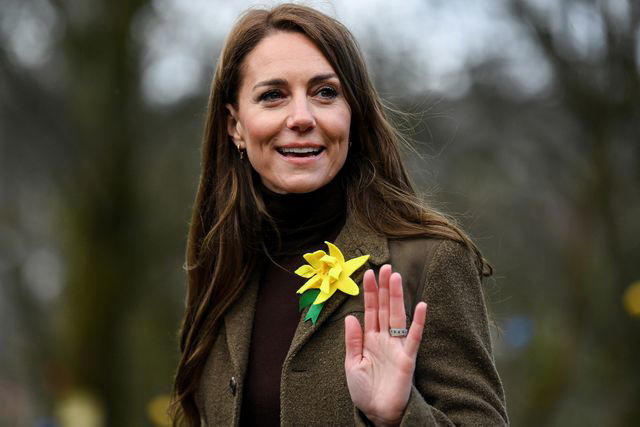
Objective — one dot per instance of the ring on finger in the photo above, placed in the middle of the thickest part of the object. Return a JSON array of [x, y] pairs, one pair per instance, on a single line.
[[398, 332]]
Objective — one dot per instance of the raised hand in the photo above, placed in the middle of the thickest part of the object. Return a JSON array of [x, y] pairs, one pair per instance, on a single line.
[[379, 367]]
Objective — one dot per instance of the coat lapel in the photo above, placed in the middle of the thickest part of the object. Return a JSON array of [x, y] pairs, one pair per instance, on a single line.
[[354, 240], [239, 325]]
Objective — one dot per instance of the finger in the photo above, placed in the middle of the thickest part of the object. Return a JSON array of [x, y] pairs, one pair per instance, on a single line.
[[370, 302], [352, 341], [397, 316], [415, 332], [383, 297]]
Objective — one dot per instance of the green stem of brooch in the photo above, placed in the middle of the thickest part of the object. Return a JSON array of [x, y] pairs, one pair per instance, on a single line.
[[306, 300]]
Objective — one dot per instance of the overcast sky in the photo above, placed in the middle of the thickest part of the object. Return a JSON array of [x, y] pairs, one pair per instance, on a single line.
[[439, 39], [442, 37]]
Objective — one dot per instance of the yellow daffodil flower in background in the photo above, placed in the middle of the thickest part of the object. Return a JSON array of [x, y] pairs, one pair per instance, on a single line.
[[329, 273], [631, 299]]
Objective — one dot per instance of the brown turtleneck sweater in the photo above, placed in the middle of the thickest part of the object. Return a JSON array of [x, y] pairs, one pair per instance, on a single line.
[[304, 222]]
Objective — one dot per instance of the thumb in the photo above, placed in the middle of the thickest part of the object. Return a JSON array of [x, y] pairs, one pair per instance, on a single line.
[[352, 341]]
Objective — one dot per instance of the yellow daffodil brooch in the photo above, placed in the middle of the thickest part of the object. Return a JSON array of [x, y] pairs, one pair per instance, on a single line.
[[326, 274]]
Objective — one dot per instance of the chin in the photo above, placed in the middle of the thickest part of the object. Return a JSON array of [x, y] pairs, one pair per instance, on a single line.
[[301, 186], [298, 189]]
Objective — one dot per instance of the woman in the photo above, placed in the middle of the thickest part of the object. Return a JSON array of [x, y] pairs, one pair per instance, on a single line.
[[297, 152]]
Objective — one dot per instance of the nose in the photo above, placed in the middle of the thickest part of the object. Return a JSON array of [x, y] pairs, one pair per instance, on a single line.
[[301, 117]]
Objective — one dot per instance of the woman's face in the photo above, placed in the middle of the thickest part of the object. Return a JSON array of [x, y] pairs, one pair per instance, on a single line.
[[291, 114]]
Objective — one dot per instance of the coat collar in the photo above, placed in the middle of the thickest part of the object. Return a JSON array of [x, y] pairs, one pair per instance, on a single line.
[[239, 324], [354, 240]]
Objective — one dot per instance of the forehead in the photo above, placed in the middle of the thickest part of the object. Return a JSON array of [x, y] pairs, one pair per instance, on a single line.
[[284, 55]]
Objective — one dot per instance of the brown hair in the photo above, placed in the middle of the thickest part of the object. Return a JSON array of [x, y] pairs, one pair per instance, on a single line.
[[226, 227]]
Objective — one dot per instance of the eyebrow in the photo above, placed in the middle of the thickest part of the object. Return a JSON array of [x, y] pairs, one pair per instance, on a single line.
[[283, 82]]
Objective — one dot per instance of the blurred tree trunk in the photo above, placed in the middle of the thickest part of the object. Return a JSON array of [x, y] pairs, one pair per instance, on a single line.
[[100, 213], [603, 97]]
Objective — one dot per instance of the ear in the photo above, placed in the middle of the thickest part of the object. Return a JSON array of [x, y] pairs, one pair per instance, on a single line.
[[233, 126]]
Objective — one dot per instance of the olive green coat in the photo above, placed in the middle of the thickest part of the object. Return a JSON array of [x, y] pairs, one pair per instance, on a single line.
[[455, 380]]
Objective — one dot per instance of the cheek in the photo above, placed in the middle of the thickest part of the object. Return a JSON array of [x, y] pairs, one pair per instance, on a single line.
[[261, 128], [338, 125]]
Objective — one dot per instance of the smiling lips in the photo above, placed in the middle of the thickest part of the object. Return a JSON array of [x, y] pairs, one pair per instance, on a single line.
[[300, 151]]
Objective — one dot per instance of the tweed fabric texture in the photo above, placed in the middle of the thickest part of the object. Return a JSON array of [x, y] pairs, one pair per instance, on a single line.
[[455, 381]]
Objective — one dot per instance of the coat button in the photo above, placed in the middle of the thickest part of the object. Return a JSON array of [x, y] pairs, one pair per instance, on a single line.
[[232, 385]]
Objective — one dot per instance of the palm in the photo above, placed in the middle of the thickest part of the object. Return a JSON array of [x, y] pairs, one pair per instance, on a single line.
[[383, 375], [379, 367]]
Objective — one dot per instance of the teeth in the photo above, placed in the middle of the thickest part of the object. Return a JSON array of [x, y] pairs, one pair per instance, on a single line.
[[301, 150]]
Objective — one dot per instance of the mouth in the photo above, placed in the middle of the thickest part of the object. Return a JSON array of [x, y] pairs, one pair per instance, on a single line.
[[300, 151]]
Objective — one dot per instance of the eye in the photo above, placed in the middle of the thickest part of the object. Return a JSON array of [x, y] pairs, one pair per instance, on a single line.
[[327, 92], [271, 95]]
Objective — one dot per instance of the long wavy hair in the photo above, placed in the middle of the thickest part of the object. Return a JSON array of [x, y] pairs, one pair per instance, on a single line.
[[225, 235]]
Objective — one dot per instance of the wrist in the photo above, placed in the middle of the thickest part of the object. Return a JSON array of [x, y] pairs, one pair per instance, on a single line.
[[382, 422]]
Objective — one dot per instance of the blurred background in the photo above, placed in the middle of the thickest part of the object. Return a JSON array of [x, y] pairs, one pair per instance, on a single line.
[[526, 118]]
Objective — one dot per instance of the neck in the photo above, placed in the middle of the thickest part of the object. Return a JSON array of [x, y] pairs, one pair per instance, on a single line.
[[302, 220]]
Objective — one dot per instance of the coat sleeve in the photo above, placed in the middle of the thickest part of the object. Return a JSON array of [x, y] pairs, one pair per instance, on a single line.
[[455, 380]]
